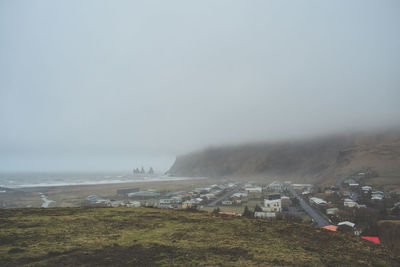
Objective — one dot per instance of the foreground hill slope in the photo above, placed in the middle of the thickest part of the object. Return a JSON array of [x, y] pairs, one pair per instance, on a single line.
[[313, 160], [148, 237]]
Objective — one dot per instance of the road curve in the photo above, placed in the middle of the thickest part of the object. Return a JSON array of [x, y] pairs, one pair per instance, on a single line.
[[225, 195], [321, 221]]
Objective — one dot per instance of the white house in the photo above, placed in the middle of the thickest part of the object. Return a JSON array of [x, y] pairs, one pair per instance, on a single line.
[[376, 197], [239, 195], [133, 204], [350, 204], [366, 188], [209, 196], [257, 189], [347, 223], [274, 205], [167, 201], [198, 200], [331, 211], [226, 202], [317, 201]]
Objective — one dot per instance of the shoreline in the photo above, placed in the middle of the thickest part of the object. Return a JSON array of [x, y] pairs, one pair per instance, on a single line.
[[35, 188], [75, 195]]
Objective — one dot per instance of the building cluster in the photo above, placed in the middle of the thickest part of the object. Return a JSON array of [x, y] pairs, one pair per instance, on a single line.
[[95, 200], [179, 199], [271, 196], [353, 200]]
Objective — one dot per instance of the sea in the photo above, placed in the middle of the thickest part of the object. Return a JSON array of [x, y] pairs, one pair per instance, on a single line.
[[23, 180]]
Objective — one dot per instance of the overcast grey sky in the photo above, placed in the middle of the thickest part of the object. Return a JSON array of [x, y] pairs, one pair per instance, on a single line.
[[111, 85]]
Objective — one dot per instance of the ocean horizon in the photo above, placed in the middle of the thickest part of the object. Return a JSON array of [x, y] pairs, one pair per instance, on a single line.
[[35, 179]]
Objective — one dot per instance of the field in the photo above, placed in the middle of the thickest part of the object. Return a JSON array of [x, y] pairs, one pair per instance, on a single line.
[[386, 181], [152, 237]]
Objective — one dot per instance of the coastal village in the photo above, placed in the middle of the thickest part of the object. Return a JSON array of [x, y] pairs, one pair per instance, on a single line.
[[349, 206]]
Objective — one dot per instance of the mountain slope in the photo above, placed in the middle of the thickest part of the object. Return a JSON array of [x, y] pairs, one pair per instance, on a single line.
[[312, 160], [150, 237]]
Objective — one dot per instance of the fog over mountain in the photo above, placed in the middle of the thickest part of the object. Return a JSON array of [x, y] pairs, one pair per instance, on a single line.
[[105, 85]]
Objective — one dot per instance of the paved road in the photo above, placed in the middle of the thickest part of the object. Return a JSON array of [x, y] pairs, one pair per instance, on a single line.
[[227, 194], [321, 221]]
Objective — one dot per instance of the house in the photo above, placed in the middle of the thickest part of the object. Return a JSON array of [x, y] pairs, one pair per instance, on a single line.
[[349, 181], [102, 203], [116, 203], [374, 239], [226, 203], [259, 214], [133, 204], [151, 203], [167, 201], [395, 191], [317, 201], [350, 227], [125, 192], [216, 191], [331, 211], [366, 188], [254, 192], [208, 196], [189, 204], [377, 195], [198, 200], [230, 185], [302, 187], [202, 190], [93, 198], [237, 201], [347, 223], [256, 189], [275, 186], [331, 228], [350, 204], [272, 205], [239, 195], [177, 199]]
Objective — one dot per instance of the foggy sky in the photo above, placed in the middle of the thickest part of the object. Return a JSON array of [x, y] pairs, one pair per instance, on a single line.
[[112, 85]]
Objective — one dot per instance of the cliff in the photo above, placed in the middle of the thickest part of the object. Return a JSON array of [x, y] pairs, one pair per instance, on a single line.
[[313, 160]]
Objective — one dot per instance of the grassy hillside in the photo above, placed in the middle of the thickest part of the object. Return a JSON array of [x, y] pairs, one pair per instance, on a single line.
[[147, 237], [314, 160]]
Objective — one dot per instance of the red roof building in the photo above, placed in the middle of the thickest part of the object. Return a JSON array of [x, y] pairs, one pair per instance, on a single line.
[[374, 239], [330, 228]]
